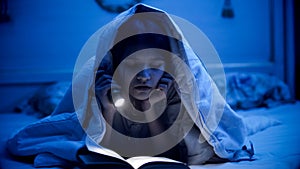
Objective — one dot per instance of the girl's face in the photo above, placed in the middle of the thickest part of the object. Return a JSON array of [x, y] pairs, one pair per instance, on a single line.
[[142, 72]]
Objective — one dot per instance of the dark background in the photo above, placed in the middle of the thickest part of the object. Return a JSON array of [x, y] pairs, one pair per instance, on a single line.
[[297, 47]]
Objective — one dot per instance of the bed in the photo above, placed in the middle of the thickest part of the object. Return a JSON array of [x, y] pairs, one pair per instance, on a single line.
[[276, 146], [275, 140]]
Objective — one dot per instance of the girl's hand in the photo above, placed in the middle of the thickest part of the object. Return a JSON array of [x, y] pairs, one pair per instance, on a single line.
[[103, 86], [165, 83]]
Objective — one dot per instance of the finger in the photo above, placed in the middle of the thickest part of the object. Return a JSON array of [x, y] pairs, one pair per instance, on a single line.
[[166, 81], [102, 89], [167, 78], [104, 79], [102, 95], [163, 87], [167, 75], [99, 73], [104, 76], [115, 86]]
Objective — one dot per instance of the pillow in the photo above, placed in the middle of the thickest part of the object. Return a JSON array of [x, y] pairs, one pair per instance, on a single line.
[[251, 90], [44, 101]]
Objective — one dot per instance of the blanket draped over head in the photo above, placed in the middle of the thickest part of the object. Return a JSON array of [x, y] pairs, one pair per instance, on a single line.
[[218, 124]]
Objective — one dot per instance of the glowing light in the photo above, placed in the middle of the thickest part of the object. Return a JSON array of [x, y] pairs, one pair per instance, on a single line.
[[119, 102]]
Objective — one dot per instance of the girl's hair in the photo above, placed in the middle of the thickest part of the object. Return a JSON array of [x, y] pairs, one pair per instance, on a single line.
[[134, 43]]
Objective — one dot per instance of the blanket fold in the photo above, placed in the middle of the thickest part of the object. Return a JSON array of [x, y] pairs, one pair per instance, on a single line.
[[53, 140]]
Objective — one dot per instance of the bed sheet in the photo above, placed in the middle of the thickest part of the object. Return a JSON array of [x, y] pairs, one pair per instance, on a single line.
[[275, 147]]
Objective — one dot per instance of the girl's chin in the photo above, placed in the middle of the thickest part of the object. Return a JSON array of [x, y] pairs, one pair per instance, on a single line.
[[141, 96]]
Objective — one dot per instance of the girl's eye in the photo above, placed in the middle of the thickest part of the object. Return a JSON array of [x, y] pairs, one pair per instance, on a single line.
[[157, 64]]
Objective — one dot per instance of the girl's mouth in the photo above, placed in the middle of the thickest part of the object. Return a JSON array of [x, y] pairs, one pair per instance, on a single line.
[[142, 88]]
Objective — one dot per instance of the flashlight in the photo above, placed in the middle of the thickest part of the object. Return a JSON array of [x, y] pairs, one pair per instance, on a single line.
[[118, 99]]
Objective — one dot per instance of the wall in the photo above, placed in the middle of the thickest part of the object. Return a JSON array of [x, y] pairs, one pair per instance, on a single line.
[[297, 47], [41, 42], [44, 38]]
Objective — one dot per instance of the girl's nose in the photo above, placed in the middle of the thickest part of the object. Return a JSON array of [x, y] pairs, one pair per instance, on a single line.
[[143, 76]]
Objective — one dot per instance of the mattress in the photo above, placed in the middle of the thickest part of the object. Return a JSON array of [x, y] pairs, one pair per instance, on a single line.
[[276, 146]]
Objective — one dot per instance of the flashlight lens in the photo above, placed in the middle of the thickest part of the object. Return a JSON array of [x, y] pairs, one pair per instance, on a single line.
[[119, 102]]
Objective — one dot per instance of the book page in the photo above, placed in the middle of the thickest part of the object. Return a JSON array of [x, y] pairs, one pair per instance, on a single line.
[[138, 161], [135, 162], [102, 150]]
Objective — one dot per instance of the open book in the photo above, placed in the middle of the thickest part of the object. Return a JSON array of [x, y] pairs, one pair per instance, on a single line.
[[105, 158]]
